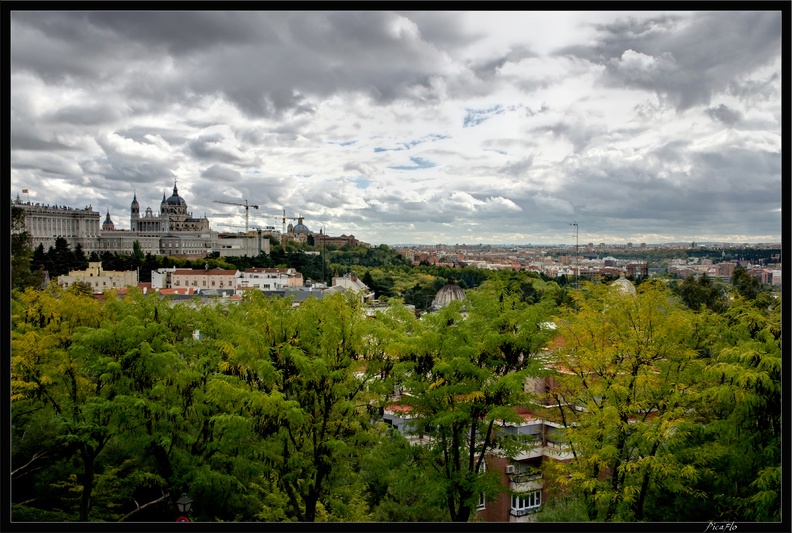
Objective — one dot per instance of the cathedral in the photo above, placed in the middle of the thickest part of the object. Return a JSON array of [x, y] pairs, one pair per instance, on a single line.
[[173, 216]]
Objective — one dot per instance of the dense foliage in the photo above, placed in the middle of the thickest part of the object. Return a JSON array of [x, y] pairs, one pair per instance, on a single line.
[[670, 399]]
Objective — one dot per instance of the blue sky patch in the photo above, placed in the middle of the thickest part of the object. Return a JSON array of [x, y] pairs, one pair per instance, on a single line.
[[475, 117], [419, 164]]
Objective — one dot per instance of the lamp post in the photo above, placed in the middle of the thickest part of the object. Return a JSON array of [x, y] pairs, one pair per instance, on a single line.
[[183, 504], [577, 268]]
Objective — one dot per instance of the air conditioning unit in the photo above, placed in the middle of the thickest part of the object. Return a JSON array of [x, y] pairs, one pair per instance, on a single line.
[[510, 469]]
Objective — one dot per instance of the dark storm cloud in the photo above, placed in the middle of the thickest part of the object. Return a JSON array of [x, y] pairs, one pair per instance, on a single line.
[[209, 147], [377, 53], [28, 140], [221, 173], [755, 90], [518, 168], [48, 163], [578, 132], [684, 61], [85, 115], [223, 101], [442, 28], [650, 197], [182, 32], [724, 114], [234, 54], [119, 169], [487, 69]]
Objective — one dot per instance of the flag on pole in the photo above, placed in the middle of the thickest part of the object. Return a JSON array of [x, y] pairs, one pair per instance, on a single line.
[[24, 191]]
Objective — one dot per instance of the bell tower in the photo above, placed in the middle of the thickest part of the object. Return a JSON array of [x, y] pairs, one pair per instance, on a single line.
[[135, 214]]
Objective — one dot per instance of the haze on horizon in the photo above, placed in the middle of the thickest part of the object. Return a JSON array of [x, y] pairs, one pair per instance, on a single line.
[[410, 127]]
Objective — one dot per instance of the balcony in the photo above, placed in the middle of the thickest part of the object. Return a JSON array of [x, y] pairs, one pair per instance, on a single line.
[[522, 482]]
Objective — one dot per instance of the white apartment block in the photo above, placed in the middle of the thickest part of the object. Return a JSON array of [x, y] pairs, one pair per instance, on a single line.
[[269, 279]]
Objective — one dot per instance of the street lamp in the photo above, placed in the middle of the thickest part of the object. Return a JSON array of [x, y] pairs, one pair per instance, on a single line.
[[577, 268], [183, 504]]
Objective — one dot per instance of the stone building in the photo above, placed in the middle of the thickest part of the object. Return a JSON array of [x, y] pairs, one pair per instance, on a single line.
[[101, 280]]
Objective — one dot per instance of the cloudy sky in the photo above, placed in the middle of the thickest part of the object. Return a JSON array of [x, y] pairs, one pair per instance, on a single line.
[[410, 127]]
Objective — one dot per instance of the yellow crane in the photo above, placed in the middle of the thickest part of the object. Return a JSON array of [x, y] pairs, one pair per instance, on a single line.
[[247, 207]]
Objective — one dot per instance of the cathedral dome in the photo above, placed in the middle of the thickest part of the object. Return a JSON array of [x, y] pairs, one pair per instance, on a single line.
[[446, 294], [175, 199]]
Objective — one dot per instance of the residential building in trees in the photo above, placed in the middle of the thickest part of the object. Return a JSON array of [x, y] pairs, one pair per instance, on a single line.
[[217, 278], [270, 279], [99, 279]]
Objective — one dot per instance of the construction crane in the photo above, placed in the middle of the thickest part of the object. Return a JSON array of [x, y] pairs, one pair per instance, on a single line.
[[247, 210], [284, 218]]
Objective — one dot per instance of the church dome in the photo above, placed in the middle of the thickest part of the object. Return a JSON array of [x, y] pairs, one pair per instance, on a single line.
[[624, 285], [175, 199], [447, 294], [108, 224], [300, 227]]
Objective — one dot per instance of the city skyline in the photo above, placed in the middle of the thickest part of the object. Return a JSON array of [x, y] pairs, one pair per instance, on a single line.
[[410, 127]]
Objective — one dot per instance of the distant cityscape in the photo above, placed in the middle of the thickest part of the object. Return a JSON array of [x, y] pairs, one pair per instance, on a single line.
[[175, 232]]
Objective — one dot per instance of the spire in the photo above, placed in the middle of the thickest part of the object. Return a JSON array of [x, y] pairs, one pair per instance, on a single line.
[[175, 190]]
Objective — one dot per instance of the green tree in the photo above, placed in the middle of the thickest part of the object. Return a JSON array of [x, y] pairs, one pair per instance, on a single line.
[[61, 258], [80, 260], [703, 291], [745, 284], [302, 375], [745, 405], [627, 391], [464, 375], [21, 252]]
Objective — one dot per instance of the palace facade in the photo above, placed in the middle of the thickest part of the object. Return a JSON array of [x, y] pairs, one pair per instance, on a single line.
[[173, 231]]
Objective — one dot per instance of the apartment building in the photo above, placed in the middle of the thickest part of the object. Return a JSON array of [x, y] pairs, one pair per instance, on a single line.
[[269, 279], [217, 278]]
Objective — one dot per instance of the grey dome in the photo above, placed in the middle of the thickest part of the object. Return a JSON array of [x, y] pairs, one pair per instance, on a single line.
[[108, 223], [447, 294], [300, 227], [175, 199]]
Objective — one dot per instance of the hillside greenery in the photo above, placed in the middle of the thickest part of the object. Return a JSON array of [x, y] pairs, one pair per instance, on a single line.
[[262, 411]]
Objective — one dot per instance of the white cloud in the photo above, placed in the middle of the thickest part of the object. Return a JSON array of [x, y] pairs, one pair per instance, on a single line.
[[411, 127]]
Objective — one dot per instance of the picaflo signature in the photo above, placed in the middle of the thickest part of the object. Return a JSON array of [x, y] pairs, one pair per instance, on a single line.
[[722, 526]]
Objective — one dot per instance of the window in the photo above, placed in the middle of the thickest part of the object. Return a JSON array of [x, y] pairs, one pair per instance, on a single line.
[[524, 503], [481, 502]]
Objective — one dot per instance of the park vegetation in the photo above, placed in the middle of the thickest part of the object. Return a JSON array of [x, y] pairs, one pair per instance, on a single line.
[[262, 411]]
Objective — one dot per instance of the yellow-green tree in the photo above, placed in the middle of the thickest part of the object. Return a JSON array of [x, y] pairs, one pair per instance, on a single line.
[[627, 391]]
